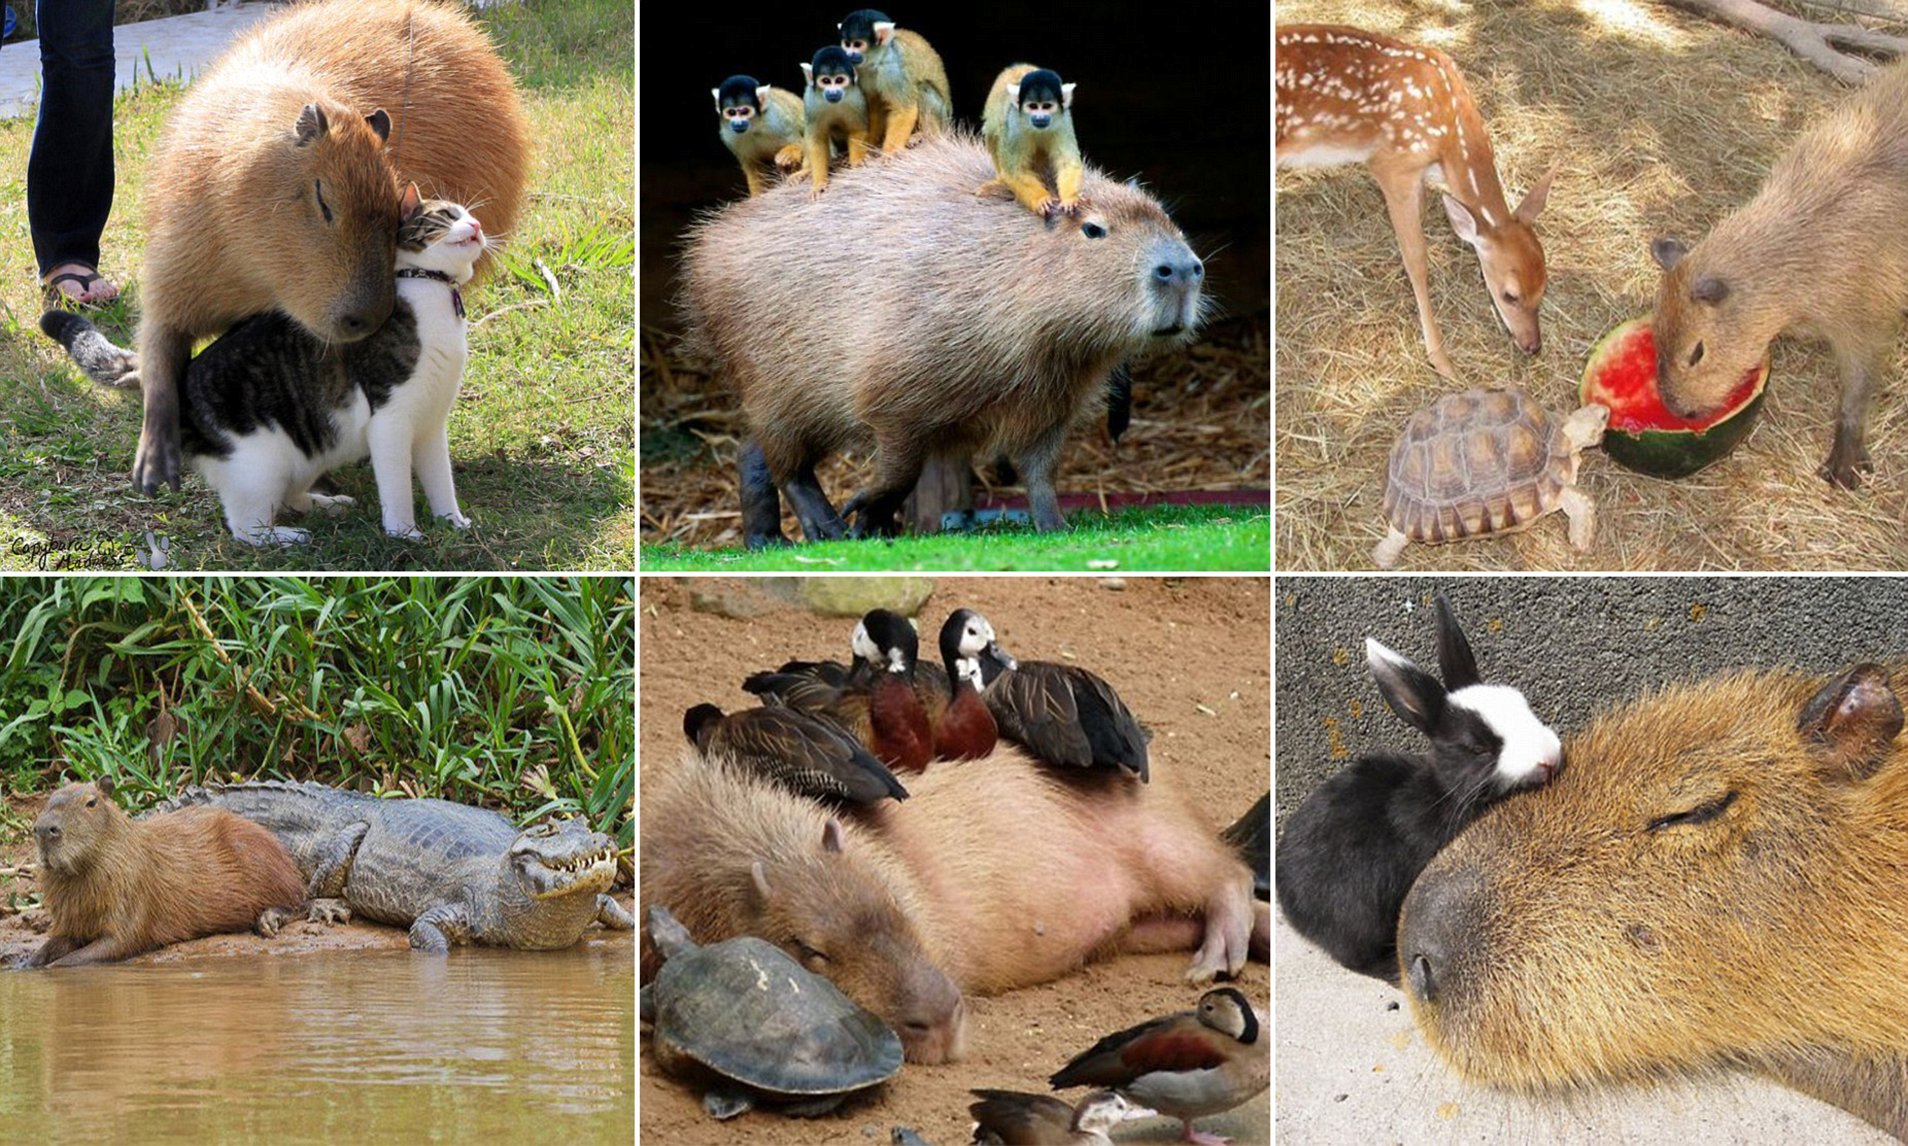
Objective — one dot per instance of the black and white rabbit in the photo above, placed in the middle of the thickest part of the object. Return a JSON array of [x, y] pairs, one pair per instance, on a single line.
[[1356, 845]]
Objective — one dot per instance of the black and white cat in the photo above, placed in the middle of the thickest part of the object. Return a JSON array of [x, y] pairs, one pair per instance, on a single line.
[[269, 408]]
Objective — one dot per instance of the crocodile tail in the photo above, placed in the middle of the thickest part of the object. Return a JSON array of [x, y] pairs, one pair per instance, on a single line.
[[93, 352]]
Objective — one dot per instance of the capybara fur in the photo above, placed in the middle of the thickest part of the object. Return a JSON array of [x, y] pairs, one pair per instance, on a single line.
[[994, 874], [1719, 878], [1820, 251], [900, 309], [115, 886], [274, 189]]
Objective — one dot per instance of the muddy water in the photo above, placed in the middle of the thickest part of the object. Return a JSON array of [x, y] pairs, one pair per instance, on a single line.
[[486, 1046]]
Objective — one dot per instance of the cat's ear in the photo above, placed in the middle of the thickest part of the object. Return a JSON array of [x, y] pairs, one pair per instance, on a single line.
[[380, 123], [412, 202], [311, 124]]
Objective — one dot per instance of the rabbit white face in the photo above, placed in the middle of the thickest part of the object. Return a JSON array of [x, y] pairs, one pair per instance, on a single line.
[[1529, 751]]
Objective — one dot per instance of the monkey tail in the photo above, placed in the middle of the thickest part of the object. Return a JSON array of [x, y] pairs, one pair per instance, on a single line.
[[93, 352]]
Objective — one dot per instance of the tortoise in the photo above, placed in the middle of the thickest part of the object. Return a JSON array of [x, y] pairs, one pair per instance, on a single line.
[[1482, 462], [753, 1026]]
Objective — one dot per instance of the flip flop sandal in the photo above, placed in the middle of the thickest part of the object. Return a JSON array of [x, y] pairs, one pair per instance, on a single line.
[[85, 279]]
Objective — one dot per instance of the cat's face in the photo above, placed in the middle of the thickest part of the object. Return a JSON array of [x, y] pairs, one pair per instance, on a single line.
[[439, 235]]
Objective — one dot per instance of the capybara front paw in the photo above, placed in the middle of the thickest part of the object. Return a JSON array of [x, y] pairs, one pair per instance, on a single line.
[[1844, 468], [271, 919], [156, 464]]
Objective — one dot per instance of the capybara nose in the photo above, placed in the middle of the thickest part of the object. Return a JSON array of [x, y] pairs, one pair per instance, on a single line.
[[1436, 929], [1424, 982], [1180, 271], [354, 326]]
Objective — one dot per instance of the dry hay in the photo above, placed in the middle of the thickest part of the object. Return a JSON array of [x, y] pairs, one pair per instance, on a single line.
[[1199, 423], [1661, 124]]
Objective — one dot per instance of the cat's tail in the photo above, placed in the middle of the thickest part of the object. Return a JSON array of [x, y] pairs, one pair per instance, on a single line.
[[103, 362]]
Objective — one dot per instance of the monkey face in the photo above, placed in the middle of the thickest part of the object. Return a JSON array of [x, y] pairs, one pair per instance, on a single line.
[[739, 117], [856, 48], [1040, 112], [833, 85]]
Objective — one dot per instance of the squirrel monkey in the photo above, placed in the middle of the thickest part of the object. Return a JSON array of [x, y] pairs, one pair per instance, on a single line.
[[903, 77], [761, 125], [837, 112], [1028, 127]]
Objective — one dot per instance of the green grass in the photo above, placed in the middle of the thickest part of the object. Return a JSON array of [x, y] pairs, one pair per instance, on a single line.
[[1173, 538], [542, 438], [514, 693]]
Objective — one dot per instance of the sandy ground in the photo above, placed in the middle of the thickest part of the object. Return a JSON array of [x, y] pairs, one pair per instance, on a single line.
[[1188, 656]]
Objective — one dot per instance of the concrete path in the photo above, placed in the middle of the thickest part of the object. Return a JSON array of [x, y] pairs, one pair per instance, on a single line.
[[175, 46], [1351, 1071]]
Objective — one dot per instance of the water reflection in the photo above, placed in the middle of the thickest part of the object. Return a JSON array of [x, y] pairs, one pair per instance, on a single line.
[[483, 1046]]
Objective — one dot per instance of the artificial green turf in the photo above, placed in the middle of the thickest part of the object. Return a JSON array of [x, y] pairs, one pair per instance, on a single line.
[[1163, 539], [542, 437]]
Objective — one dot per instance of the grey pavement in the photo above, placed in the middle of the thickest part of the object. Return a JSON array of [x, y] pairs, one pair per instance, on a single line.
[[1349, 1069], [177, 46]]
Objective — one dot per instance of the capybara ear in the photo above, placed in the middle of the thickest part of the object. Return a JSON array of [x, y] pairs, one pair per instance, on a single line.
[[380, 123], [1455, 662], [1667, 252], [1851, 724], [311, 124], [831, 835], [105, 785], [758, 879], [409, 206]]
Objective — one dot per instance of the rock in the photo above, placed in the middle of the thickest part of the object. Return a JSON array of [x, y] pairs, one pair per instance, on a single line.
[[854, 596], [732, 597]]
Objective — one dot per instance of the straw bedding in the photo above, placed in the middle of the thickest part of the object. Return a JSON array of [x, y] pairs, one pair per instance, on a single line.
[[1661, 124]]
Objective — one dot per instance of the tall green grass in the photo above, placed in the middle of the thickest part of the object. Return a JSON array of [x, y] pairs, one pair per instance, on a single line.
[[517, 693]]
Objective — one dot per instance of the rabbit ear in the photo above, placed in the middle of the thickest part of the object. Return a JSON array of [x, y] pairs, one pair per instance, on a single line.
[[1455, 662], [1411, 692]]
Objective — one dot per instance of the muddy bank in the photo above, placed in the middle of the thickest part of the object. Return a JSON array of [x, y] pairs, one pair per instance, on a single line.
[[1188, 656]]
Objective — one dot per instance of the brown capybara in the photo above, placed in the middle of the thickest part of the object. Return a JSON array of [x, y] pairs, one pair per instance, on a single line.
[[115, 886], [993, 875], [1820, 251], [902, 309], [276, 184], [1720, 877]]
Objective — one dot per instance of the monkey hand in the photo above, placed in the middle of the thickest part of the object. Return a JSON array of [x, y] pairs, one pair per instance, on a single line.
[[789, 159], [1051, 207]]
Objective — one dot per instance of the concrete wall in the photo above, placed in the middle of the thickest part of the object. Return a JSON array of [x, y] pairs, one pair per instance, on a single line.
[[1574, 645]]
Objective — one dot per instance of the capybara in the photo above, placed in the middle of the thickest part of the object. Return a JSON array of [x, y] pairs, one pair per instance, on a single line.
[[1820, 250], [276, 184], [993, 875], [1718, 878], [901, 309], [115, 886]]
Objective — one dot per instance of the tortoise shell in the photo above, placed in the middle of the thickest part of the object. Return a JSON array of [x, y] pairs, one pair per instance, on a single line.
[[744, 1010], [1479, 462]]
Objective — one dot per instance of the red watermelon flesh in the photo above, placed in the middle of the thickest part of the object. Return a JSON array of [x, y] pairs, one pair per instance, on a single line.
[[1643, 433], [1628, 382]]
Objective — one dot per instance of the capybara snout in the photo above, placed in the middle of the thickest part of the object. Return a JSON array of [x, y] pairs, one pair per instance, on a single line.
[[1177, 276], [1715, 879]]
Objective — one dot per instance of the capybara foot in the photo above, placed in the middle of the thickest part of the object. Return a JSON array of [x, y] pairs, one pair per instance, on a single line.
[[156, 463], [330, 912], [1844, 467], [271, 919], [1228, 940], [755, 541]]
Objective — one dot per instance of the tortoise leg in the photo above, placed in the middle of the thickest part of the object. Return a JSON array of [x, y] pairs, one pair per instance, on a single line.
[[1582, 513], [1387, 551], [724, 1104]]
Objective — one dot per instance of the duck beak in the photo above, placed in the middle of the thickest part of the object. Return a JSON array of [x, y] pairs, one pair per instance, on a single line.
[[999, 656], [1135, 1113]]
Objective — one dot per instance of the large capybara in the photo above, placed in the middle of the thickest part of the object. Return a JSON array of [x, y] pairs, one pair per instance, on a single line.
[[903, 310], [1820, 251], [1719, 878], [994, 874], [276, 184], [115, 886]]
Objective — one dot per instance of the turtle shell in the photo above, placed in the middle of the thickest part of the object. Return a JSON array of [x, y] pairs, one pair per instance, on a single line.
[[745, 1010], [1479, 462]]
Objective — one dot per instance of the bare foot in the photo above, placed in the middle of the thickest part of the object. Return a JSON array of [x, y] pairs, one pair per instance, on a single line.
[[77, 282]]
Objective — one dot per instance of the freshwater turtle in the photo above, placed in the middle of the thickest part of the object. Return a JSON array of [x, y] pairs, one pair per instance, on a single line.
[[1482, 462], [751, 1025]]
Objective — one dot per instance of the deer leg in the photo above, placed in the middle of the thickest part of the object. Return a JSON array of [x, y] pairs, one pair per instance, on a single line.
[[1403, 188]]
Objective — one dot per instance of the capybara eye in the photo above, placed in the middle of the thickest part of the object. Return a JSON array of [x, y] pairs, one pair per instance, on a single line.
[[1700, 814], [318, 189], [91, 800], [1696, 355], [1093, 230]]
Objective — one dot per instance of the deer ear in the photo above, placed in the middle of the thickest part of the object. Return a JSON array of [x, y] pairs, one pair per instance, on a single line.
[[1461, 221], [1667, 252], [1535, 199], [1709, 289], [1852, 722]]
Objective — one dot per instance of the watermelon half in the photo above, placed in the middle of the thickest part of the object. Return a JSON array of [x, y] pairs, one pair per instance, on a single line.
[[1646, 435]]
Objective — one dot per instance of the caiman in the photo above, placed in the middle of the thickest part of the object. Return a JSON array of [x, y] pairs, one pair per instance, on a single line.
[[449, 872]]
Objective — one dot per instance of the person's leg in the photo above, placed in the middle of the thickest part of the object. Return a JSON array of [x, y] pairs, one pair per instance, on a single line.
[[70, 169]]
